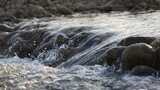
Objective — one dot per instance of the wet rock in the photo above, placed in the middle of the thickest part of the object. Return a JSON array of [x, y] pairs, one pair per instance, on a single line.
[[58, 7], [80, 38], [42, 48], [56, 57], [143, 71], [63, 55], [31, 11], [90, 43], [76, 30], [68, 52], [9, 18], [93, 40], [158, 59], [138, 54], [21, 48], [3, 40], [156, 44], [50, 41], [6, 28], [62, 10], [61, 39], [113, 55], [132, 40], [22, 43]]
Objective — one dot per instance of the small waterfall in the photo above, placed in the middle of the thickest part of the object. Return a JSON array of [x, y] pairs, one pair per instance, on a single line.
[[67, 53]]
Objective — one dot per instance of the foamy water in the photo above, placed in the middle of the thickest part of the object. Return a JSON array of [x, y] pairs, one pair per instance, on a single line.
[[28, 74]]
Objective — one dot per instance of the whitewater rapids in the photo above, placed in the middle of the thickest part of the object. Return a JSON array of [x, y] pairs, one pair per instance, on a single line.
[[27, 74]]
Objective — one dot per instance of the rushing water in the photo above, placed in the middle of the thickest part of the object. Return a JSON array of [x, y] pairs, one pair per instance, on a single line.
[[97, 33]]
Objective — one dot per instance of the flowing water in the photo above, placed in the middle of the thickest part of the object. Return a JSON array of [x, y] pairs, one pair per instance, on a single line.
[[91, 35]]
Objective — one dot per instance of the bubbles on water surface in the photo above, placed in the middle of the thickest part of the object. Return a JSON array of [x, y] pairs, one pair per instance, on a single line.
[[24, 74]]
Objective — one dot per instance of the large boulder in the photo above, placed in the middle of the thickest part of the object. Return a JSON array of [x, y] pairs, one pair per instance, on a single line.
[[51, 41], [22, 43], [113, 54], [138, 54], [132, 40]]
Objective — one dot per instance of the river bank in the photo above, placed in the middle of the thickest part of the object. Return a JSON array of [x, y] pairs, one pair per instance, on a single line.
[[48, 8]]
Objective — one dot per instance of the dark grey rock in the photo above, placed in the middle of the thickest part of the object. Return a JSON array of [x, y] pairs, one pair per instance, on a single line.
[[155, 44], [6, 28], [143, 71], [132, 40], [138, 54], [113, 54]]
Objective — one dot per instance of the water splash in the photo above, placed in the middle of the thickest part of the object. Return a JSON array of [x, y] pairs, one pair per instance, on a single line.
[[104, 29]]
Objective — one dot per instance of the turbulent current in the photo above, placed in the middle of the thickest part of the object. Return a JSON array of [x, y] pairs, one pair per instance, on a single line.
[[75, 61]]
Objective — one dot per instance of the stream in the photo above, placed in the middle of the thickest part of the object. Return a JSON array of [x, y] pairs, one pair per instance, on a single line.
[[86, 37]]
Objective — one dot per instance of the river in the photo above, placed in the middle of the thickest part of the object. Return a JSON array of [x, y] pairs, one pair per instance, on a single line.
[[80, 71]]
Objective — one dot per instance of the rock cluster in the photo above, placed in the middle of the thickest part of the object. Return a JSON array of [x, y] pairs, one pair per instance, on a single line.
[[32, 43], [136, 55], [45, 8]]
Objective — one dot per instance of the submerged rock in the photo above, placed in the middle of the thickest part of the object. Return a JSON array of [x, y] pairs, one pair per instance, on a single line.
[[80, 38], [6, 28], [132, 40], [63, 55], [138, 54], [143, 71], [68, 52], [22, 43], [8, 18]]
